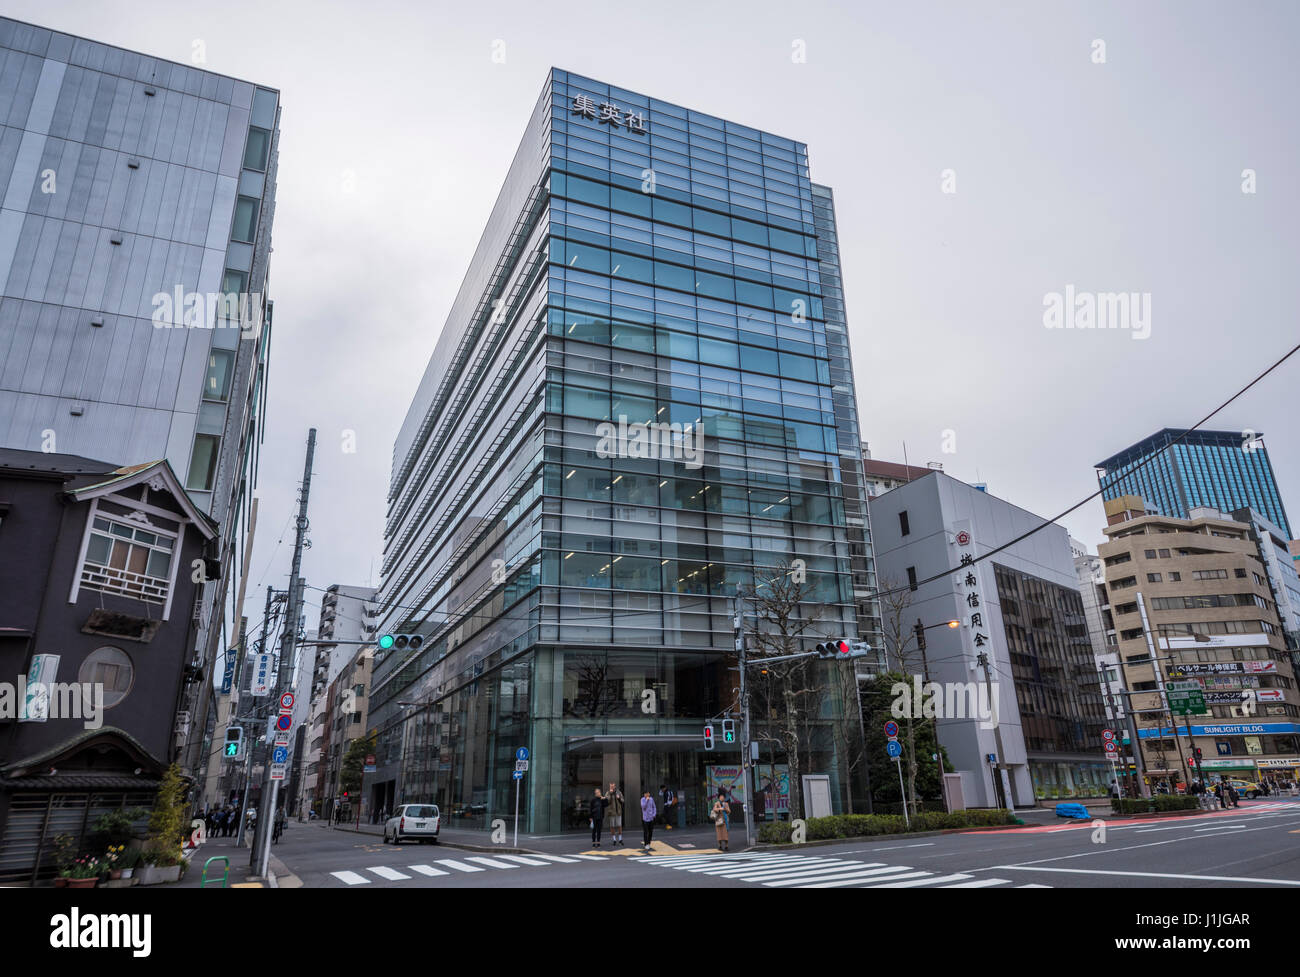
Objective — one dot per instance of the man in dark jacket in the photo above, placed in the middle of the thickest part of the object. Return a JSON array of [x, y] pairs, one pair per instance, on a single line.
[[596, 811]]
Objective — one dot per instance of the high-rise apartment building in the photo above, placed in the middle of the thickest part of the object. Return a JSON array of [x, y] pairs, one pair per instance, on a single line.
[[136, 202], [1191, 601], [640, 403], [1175, 471]]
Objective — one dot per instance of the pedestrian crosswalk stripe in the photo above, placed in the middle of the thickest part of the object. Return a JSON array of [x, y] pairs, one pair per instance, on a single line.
[[560, 858], [929, 880], [835, 874], [459, 866], [861, 881], [761, 876], [351, 878], [387, 873], [590, 858], [426, 870], [524, 860], [782, 870], [489, 862]]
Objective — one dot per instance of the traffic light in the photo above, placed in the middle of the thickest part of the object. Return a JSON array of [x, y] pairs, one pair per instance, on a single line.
[[399, 641], [860, 649], [234, 742], [728, 731], [919, 629], [839, 648], [1197, 752], [708, 736]]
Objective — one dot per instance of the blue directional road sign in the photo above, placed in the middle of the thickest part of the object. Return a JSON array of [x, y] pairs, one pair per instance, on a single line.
[[521, 753], [280, 754], [519, 775], [893, 748]]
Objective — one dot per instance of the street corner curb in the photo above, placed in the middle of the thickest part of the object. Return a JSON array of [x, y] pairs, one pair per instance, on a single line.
[[279, 876]]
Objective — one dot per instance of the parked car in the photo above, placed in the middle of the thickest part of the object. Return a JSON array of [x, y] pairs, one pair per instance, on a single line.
[[1245, 788], [419, 821]]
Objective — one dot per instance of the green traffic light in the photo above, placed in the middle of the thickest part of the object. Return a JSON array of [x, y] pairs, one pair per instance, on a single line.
[[232, 749], [386, 642]]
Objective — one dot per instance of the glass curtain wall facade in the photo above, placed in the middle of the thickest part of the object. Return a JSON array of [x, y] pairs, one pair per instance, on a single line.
[[1216, 469], [1058, 692], [629, 415]]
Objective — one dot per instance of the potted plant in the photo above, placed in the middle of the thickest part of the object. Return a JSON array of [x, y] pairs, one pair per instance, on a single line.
[[64, 853], [84, 872], [130, 861], [113, 860], [162, 854]]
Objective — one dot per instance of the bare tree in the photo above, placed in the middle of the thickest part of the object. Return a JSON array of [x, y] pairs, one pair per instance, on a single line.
[[903, 651], [792, 693]]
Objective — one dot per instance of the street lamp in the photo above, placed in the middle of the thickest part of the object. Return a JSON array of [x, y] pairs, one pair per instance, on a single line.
[[919, 630]]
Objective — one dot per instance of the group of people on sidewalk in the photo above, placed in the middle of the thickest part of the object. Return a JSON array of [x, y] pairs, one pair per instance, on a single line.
[[223, 822], [612, 804]]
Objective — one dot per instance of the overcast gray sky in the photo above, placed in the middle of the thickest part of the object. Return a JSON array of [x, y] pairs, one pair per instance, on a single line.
[[398, 128]]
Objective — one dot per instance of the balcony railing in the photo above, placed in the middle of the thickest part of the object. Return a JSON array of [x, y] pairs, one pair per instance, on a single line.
[[113, 580]]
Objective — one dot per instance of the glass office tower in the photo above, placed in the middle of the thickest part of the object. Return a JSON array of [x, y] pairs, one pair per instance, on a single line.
[[629, 415], [1224, 470]]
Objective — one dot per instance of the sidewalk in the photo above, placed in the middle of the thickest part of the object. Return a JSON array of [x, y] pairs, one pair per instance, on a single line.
[[241, 875]]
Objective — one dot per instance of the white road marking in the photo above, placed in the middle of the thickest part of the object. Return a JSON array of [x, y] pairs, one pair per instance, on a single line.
[[558, 858], [426, 870], [1149, 875], [351, 878], [525, 860], [977, 884], [919, 882], [861, 880], [840, 873], [489, 862], [384, 872], [458, 866]]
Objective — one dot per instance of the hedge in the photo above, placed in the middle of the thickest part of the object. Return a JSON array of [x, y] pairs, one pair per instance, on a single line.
[[1160, 802], [858, 825]]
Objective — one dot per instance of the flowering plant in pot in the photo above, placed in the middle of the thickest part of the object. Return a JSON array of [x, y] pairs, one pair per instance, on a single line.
[[113, 860], [84, 872]]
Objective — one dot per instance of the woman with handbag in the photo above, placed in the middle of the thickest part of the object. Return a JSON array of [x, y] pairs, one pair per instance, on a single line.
[[721, 814]]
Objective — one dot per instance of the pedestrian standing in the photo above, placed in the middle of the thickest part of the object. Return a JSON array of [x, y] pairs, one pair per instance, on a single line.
[[596, 816], [669, 799], [648, 814], [614, 804], [721, 814]]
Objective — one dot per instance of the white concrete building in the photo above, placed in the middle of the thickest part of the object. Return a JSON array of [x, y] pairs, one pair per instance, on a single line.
[[1021, 610]]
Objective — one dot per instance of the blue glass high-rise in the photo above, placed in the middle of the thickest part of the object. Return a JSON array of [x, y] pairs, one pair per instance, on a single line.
[[1224, 470]]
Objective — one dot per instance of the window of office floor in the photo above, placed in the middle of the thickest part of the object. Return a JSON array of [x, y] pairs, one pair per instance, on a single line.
[[216, 385], [612, 685], [203, 462]]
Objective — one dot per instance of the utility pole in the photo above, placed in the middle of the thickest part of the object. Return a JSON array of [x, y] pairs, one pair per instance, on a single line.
[[1158, 669], [938, 751], [288, 642], [1002, 785]]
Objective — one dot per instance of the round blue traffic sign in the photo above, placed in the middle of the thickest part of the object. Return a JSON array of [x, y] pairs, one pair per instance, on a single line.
[[521, 753], [280, 754], [893, 748], [891, 730]]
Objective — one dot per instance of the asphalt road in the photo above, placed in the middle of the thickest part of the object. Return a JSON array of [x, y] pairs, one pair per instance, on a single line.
[[1254, 846]]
